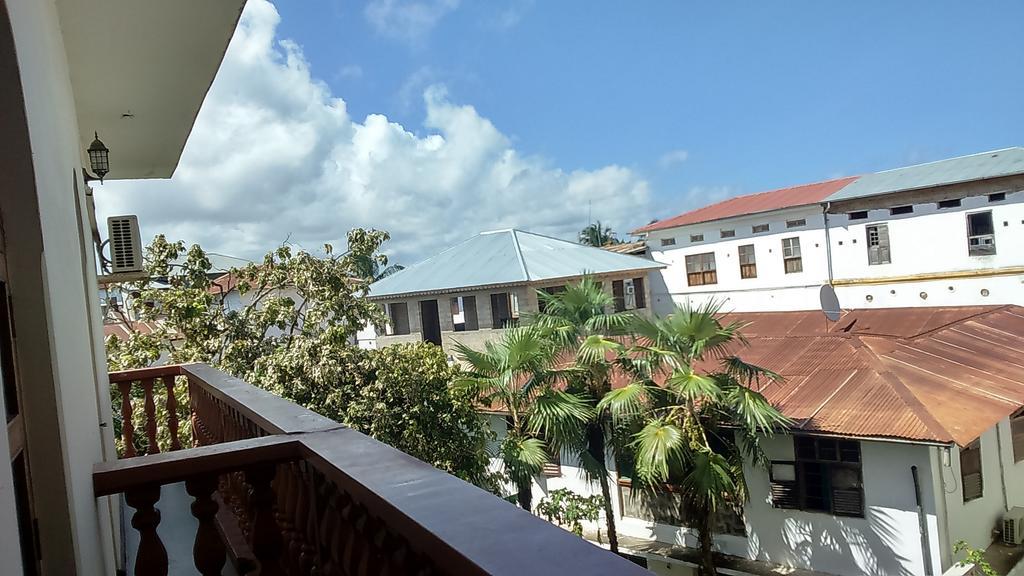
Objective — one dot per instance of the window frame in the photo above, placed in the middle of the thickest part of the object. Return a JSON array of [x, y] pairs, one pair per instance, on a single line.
[[876, 258], [695, 238], [972, 451], [793, 492], [748, 270], [760, 228], [727, 233], [393, 326], [857, 215], [703, 275], [901, 210], [668, 242], [951, 203], [981, 248], [796, 223], [793, 263], [1017, 436]]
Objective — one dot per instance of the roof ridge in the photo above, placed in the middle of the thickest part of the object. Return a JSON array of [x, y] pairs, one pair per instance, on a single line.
[[519, 254], [905, 393], [949, 159], [991, 310]]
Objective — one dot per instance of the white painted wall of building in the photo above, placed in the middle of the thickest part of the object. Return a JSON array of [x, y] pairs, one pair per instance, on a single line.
[[72, 316], [931, 240]]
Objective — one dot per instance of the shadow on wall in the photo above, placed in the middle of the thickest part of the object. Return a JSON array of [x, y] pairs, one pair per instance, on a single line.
[[831, 545]]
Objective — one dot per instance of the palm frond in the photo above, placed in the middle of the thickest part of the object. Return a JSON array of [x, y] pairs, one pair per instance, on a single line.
[[559, 416], [626, 403], [657, 444]]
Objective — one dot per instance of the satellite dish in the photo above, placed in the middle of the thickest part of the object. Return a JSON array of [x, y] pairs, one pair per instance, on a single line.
[[830, 302]]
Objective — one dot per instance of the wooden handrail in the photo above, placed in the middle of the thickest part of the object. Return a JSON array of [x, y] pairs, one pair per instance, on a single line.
[[307, 492], [169, 467]]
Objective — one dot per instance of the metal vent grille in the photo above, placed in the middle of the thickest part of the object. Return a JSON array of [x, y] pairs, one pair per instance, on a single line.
[[125, 244]]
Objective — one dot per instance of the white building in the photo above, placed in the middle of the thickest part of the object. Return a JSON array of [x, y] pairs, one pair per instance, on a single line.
[[943, 233], [908, 436], [472, 291]]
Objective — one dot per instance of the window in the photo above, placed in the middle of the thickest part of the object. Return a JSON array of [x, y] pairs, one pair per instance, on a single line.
[[796, 223], [954, 203], [727, 233], [541, 304], [791, 255], [464, 316], [398, 314], [619, 295], [748, 263], [628, 294], [759, 228], [639, 298], [896, 211], [981, 239], [861, 215], [700, 269], [878, 244], [696, 237], [825, 477], [970, 471], [504, 310], [1017, 433], [668, 241], [997, 197]]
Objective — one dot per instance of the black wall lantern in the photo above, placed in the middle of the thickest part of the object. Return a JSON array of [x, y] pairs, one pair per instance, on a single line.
[[99, 160]]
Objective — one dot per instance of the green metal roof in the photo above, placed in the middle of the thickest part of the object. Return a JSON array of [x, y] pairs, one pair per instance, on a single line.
[[505, 257], [995, 164]]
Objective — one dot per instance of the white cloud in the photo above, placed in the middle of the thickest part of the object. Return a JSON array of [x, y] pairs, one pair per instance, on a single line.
[[513, 13], [673, 157], [275, 155], [408, 20], [351, 72]]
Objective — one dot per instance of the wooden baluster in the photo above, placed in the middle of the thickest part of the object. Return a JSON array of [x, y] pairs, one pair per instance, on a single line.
[[266, 536], [172, 412], [147, 389], [208, 550], [328, 529], [151, 559], [127, 428], [285, 489], [298, 518], [307, 522]]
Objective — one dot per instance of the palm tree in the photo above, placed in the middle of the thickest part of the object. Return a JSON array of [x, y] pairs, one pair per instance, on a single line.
[[578, 323], [697, 427], [369, 268], [514, 374], [598, 235]]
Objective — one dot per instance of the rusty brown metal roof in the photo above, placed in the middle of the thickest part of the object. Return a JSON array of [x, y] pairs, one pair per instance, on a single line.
[[925, 374]]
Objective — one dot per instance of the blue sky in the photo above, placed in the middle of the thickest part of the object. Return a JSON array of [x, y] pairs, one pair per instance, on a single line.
[[760, 95], [690, 101]]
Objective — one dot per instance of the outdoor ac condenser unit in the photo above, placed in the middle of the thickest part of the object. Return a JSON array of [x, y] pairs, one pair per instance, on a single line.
[[1013, 527], [125, 244]]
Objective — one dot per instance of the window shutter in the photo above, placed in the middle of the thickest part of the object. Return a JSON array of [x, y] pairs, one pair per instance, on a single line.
[[785, 494], [847, 502], [638, 293]]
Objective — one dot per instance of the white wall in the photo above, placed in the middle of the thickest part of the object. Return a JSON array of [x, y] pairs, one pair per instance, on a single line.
[[773, 286], [61, 348], [928, 241], [1003, 482]]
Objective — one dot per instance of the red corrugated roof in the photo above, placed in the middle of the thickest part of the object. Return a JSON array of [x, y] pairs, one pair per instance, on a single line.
[[929, 374], [753, 203]]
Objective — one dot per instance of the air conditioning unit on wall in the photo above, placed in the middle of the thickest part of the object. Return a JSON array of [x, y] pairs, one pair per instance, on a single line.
[[1013, 527], [125, 244]]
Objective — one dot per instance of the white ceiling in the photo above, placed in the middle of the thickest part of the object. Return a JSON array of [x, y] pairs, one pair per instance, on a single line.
[[152, 59]]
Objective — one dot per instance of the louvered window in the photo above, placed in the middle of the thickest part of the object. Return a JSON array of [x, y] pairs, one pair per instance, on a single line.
[[878, 244], [825, 477], [970, 471]]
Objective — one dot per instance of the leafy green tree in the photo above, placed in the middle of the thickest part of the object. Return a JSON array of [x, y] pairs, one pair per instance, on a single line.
[[597, 235], [514, 374], [577, 321], [294, 336], [698, 428]]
